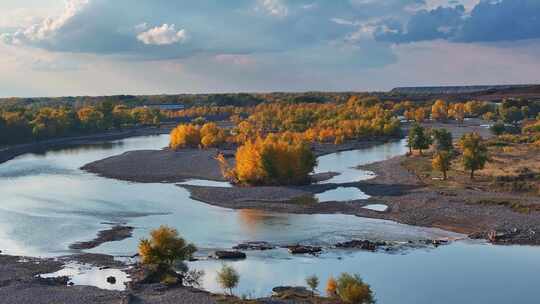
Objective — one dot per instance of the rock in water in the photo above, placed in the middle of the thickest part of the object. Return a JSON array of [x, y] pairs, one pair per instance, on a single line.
[[229, 255], [300, 249], [111, 280], [254, 246]]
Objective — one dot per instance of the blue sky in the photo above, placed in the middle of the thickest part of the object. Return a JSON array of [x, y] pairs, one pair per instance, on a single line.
[[102, 47]]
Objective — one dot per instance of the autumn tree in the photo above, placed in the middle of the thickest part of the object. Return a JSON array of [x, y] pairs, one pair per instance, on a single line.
[[90, 118], [211, 135], [331, 287], [420, 115], [442, 162], [475, 154], [274, 161], [418, 139], [185, 136], [228, 278], [457, 111], [409, 114], [163, 250], [352, 290], [439, 110]]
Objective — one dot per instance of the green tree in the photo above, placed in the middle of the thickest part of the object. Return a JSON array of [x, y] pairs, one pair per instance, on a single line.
[[228, 278], [442, 140], [442, 162], [313, 282], [418, 139], [352, 290], [497, 128], [511, 115], [475, 154]]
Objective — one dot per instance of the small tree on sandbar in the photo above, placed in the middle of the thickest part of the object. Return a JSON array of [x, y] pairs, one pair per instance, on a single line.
[[313, 283], [164, 250], [228, 278]]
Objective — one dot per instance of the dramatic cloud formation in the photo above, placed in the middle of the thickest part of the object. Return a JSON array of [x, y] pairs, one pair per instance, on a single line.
[[501, 20], [253, 44]]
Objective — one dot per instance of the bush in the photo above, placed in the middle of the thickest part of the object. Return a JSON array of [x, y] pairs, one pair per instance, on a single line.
[[352, 290], [165, 247]]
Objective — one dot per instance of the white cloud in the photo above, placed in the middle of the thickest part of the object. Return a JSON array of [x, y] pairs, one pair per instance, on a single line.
[[162, 35], [274, 7], [47, 28]]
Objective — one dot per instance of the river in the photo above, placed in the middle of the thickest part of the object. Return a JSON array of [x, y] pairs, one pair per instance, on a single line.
[[47, 203]]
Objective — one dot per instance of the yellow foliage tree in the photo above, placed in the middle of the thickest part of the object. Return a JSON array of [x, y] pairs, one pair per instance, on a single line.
[[211, 135], [185, 136], [442, 162], [439, 110], [274, 161]]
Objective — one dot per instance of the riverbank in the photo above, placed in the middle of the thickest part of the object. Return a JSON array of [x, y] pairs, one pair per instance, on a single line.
[[21, 281], [10, 152]]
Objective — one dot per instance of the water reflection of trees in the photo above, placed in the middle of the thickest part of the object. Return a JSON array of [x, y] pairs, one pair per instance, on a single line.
[[253, 220]]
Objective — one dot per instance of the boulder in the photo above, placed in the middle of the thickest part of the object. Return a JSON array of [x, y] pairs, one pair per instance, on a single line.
[[301, 249], [111, 280], [361, 244], [254, 246], [229, 255], [63, 280]]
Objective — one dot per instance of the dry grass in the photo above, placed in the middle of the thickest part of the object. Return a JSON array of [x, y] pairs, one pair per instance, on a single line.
[[513, 168]]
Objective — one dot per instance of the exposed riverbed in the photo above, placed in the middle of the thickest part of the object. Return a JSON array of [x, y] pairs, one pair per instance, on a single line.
[[49, 204]]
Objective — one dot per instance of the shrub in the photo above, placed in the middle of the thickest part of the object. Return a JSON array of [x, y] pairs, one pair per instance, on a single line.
[[165, 247], [352, 290]]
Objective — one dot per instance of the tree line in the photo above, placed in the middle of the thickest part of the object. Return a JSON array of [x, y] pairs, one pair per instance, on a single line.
[[25, 125]]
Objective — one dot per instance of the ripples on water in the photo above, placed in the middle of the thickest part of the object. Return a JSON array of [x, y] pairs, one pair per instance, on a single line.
[[47, 204]]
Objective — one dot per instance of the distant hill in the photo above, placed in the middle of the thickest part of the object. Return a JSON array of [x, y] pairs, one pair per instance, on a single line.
[[458, 89]]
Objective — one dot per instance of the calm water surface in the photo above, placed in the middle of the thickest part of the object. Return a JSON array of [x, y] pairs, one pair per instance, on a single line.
[[47, 203]]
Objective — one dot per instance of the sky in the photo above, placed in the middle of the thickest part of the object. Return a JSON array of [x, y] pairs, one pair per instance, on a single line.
[[107, 47]]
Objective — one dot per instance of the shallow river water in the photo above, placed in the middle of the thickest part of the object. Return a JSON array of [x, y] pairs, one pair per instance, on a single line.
[[47, 203]]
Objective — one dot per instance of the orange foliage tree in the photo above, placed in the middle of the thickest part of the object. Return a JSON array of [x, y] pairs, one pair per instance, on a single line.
[[271, 161], [185, 136]]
